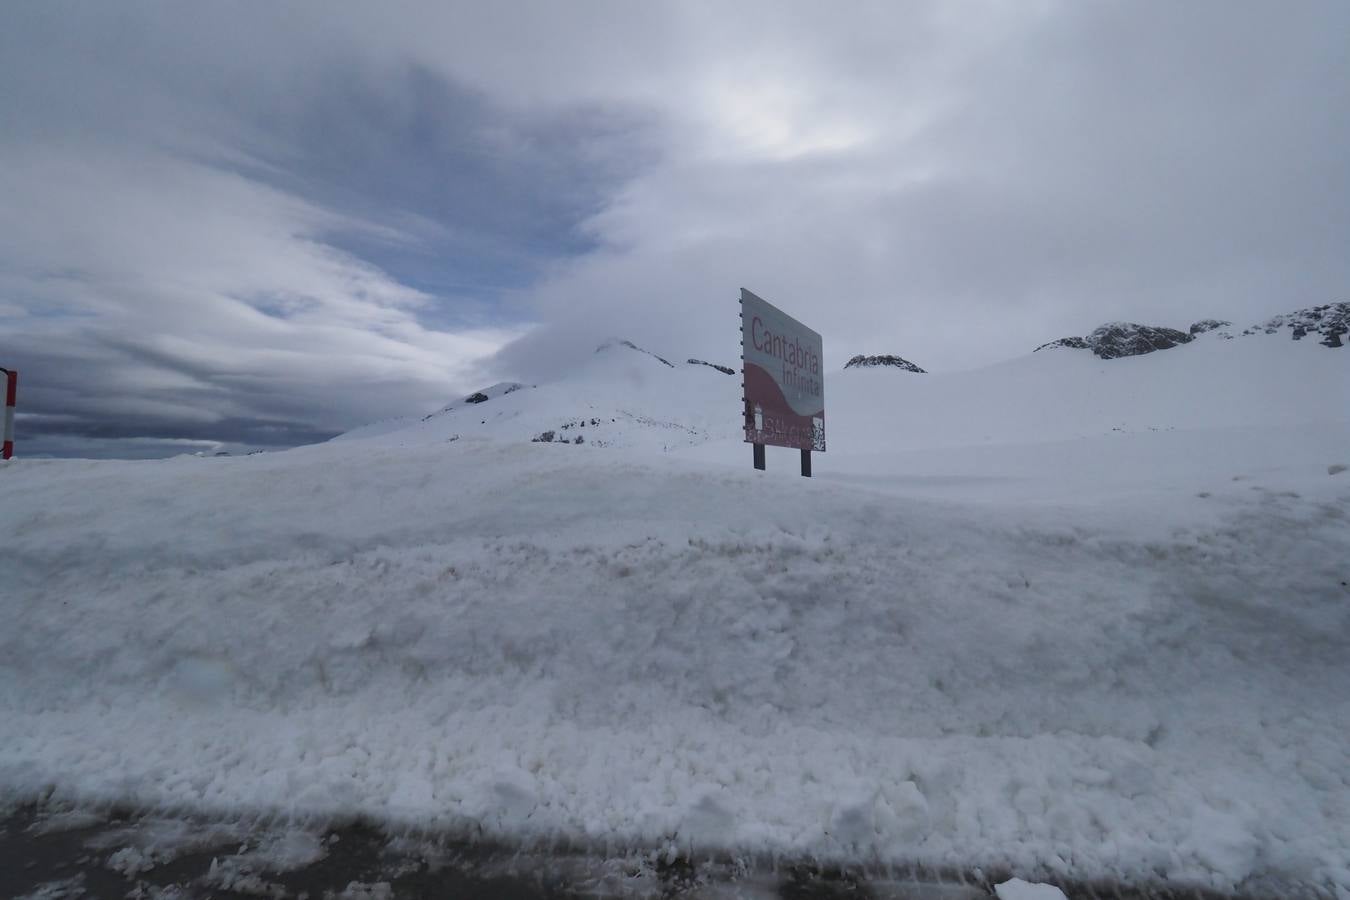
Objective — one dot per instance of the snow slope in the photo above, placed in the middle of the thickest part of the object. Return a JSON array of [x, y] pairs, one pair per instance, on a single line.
[[995, 630], [624, 397]]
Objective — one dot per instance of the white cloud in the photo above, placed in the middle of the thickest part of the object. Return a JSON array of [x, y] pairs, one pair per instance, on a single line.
[[958, 184], [188, 293]]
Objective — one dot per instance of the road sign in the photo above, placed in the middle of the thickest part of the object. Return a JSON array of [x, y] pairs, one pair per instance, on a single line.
[[784, 380]]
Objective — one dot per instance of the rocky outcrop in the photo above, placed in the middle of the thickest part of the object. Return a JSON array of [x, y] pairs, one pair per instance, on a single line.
[[1330, 322], [556, 436], [1116, 339], [896, 362], [1205, 325], [726, 370]]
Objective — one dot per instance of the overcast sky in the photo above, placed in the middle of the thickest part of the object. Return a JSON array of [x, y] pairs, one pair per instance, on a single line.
[[258, 224]]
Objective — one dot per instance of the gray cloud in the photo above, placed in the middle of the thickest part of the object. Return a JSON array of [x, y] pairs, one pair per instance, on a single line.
[[271, 223], [260, 232], [1023, 179]]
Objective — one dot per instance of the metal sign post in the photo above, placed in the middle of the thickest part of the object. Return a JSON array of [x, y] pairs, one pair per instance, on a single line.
[[11, 396], [782, 380]]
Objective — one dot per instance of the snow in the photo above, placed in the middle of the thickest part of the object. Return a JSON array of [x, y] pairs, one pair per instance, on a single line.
[[1017, 889], [993, 631], [624, 398]]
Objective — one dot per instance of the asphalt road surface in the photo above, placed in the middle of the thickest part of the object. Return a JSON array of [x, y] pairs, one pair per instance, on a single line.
[[51, 853]]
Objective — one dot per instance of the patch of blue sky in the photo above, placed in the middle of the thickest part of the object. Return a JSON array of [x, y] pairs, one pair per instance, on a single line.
[[465, 201]]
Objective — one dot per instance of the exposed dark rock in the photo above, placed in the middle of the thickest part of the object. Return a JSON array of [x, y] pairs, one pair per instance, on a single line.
[[897, 362], [501, 389], [1330, 320], [1073, 343], [703, 362], [616, 342], [544, 438], [1117, 339], [1205, 325]]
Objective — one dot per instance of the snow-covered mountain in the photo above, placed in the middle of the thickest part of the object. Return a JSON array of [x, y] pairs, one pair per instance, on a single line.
[[625, 396], [1062, 617], [1116, 339], [629, 397]]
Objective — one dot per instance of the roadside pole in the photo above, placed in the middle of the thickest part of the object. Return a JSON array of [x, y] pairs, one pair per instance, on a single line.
[[11, 396]]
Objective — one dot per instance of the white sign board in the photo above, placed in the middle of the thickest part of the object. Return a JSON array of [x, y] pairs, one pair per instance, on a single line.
[[781, 361]]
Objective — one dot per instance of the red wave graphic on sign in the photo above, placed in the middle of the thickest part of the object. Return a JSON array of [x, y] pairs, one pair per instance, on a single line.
[[770, 420]]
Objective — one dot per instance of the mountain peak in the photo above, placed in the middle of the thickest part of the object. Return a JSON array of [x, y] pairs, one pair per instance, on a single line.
[[1116, 339], [611, 343], [897, 362]]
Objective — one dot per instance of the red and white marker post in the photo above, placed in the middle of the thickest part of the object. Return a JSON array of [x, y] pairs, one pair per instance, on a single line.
[[11, 395]]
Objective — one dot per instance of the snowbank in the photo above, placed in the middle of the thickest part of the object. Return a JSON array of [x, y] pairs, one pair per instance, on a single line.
[[1142, 673]]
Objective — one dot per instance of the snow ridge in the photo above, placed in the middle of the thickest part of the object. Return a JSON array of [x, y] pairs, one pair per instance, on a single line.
[[596, 647], [725, 370], [500, 389], [611, 343]]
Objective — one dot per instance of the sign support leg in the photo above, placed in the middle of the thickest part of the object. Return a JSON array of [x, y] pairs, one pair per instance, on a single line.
[[806, 463], [759, 456]]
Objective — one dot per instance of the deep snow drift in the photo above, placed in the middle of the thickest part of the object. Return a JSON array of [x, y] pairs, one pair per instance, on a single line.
[[1081, 618]]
